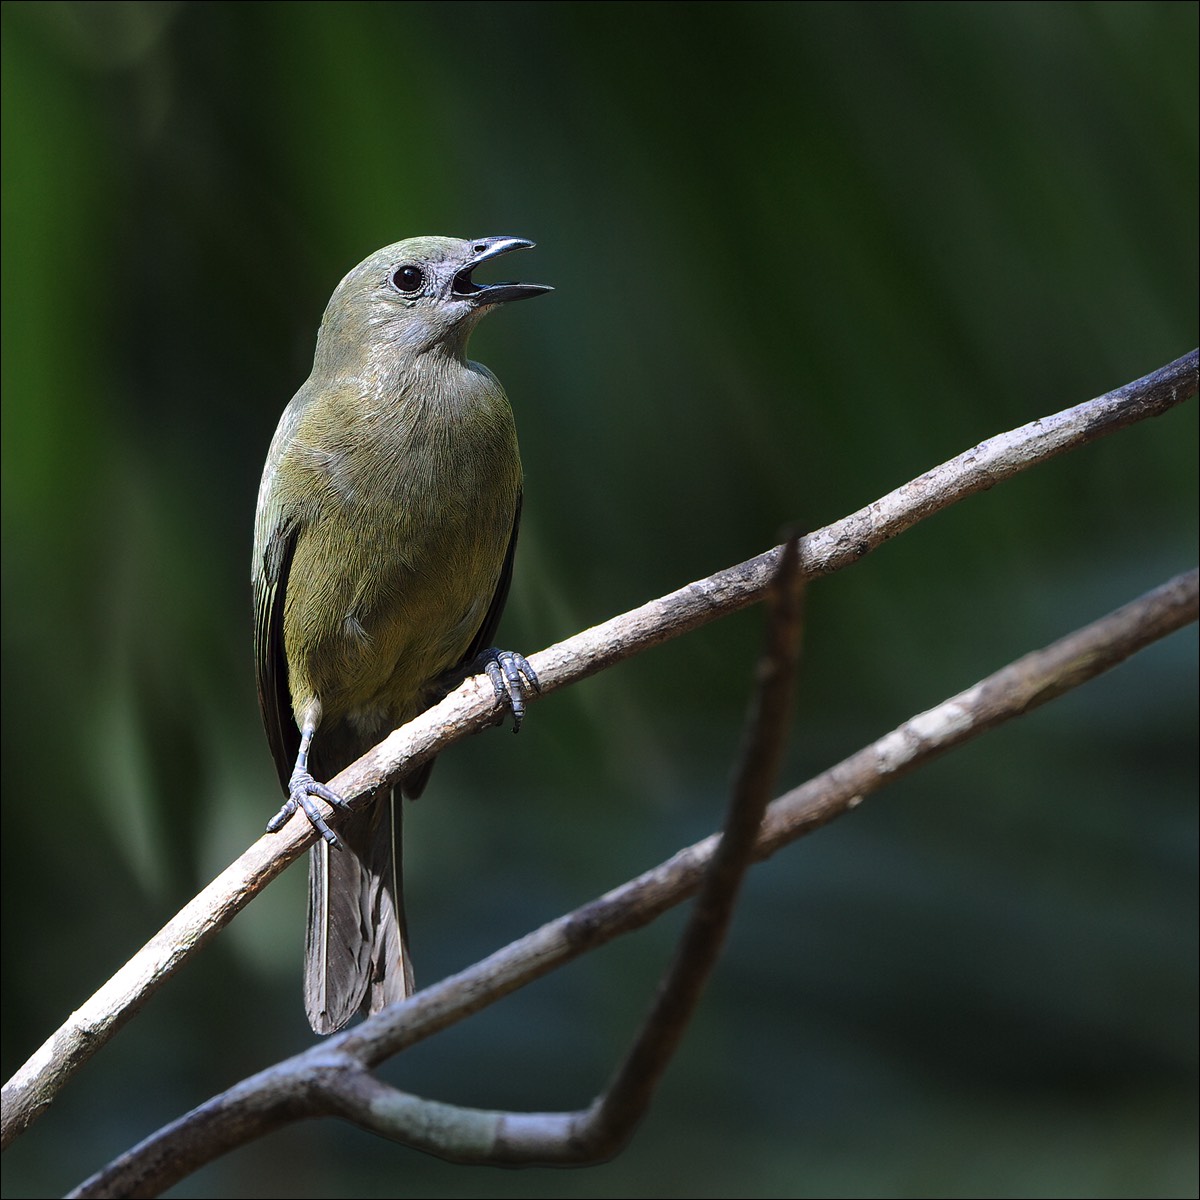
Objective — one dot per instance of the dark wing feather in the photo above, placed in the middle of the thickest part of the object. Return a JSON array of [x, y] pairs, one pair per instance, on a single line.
[[270, 660]]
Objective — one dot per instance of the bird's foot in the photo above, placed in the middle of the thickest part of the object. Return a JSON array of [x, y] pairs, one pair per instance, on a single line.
[[513, 679], [302, 788]]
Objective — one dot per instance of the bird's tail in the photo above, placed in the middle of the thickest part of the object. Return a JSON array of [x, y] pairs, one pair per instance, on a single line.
[[356, 952]]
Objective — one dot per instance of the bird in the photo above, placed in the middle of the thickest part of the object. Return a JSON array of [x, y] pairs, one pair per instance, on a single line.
[[384, 537]]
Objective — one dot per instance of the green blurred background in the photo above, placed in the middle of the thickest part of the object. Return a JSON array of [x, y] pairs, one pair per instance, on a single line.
[[802, 252]]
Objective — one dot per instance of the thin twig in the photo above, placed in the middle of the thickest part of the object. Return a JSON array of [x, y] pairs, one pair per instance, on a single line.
[[611, 1120]]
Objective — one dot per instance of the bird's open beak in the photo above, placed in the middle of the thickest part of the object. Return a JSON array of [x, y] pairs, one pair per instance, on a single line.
[[483, 250]]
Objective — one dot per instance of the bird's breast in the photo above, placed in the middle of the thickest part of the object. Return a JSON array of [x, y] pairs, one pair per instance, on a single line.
[[409, 514]]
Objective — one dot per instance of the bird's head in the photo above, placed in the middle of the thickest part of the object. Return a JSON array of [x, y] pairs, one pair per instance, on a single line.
[[419, 295]]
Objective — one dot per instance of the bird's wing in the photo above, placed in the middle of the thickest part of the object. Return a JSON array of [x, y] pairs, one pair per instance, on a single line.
[[270, 660], [415, 781], [483, 639]]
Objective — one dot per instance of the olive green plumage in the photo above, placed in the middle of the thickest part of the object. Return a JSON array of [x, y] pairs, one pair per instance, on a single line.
[[383, 545]]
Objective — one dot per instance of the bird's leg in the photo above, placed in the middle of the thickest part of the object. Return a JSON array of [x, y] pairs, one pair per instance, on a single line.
[[302, 787], [513, 679]]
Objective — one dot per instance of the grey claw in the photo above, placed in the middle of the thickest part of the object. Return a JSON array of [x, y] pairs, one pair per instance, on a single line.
[[512, 680], [281, 818], [302, 788]]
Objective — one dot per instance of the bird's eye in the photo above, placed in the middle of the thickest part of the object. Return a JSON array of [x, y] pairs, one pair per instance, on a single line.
[[408, 279]]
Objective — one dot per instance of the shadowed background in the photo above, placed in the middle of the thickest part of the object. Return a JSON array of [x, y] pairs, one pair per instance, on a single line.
[[801, 253]]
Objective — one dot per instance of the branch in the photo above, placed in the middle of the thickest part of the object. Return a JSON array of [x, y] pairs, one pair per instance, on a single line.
[[605, 1128], [333, 1077], [472, 706]]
